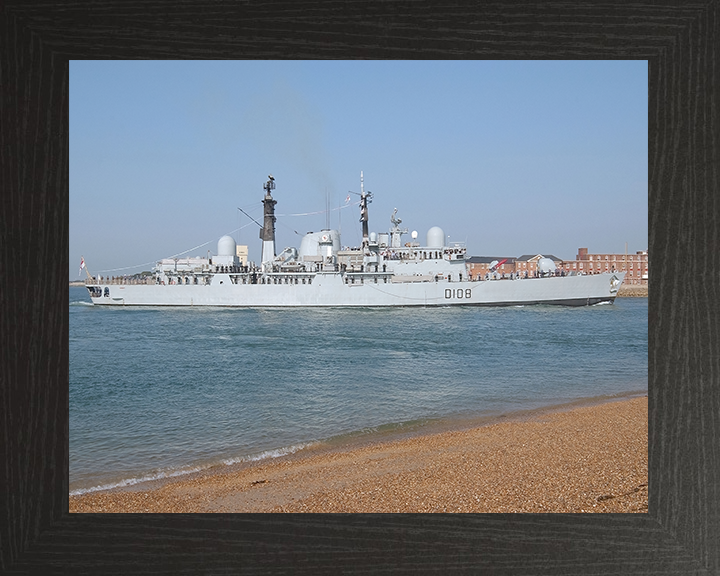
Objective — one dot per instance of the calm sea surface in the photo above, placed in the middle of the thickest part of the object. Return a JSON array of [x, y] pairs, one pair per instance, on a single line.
[[156, 392]]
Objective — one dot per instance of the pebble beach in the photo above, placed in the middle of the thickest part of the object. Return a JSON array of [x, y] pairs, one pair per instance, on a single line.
[[567, 459]]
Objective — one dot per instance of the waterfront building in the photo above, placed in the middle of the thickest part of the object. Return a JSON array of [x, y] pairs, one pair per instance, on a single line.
[[528, 263], [636, 265], [479, 266], [241, 252]]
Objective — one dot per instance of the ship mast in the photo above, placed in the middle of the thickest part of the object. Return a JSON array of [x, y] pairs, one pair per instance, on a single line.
[[396, 232], [365, 199], [267, 233]]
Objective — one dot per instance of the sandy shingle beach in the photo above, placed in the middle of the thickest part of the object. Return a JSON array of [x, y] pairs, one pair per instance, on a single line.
[[586, 459]]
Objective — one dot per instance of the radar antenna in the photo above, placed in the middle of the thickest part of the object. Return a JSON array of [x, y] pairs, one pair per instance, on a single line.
[[269, 186], [394, 220], [396, 232]]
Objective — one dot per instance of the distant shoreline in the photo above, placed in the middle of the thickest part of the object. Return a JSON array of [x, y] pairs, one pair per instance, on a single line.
[[633, 291]]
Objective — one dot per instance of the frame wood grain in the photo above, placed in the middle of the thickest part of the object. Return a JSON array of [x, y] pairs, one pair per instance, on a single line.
[[679, 535]]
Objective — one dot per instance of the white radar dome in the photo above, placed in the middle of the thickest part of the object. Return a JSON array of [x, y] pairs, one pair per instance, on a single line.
[[546, 265], [226, 246], [435, 237]]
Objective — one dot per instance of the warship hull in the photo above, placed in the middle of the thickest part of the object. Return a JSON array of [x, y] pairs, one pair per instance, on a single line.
[[336, 290]]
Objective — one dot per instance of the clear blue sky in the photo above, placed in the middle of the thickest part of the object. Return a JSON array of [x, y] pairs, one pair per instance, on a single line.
[[514, 158]]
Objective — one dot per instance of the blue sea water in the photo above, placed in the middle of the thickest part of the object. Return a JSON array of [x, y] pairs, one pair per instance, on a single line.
[[157, 392]]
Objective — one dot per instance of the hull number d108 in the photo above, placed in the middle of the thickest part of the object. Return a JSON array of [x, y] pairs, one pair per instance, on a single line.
[[458, 294]]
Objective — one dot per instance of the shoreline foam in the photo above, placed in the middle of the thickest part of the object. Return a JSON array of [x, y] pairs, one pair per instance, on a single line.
[[345, 441], [578, 457]]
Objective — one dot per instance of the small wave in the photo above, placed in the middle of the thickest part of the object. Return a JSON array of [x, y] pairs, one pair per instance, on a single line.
[[81, 303], [133, 481], [268, 454], [185, 471]]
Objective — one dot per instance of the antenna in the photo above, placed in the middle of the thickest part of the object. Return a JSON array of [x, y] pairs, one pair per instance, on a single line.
[[327, 210], [365, 199]]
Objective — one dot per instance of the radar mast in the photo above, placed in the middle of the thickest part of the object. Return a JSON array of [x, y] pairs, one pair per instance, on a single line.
[[365, 199], [267, 233], [396, 232]]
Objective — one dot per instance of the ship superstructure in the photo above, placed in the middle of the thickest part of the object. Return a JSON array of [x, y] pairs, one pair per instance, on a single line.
[[383, 271]]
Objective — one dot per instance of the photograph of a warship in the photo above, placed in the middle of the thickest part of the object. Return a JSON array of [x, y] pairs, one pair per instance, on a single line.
[[383, 271]]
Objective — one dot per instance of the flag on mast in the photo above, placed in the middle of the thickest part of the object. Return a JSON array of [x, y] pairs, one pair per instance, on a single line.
[[347, 199], [82, 265]]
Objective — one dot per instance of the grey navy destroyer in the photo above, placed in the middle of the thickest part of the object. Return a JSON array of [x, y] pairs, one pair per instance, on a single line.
[[383, 271]]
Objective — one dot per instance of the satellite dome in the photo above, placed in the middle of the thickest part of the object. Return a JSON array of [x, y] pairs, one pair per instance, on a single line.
[[226, 246], [545, 265], [435, 237]]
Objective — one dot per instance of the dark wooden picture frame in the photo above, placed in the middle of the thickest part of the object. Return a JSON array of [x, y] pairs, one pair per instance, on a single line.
[[681, 531]]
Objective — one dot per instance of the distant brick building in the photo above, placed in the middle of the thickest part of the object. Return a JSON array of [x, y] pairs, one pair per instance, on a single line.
[[478, 266], [636, 265], [528, 263]]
